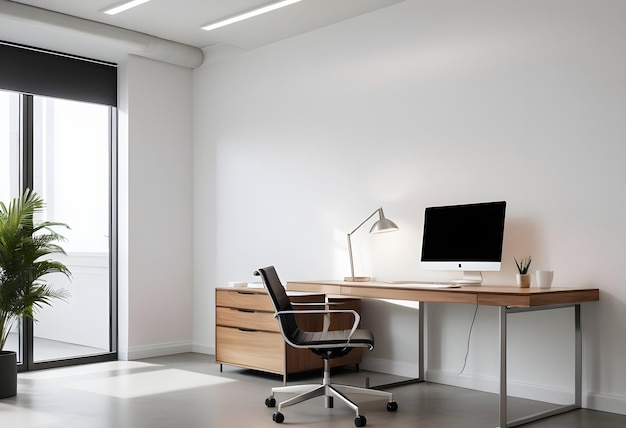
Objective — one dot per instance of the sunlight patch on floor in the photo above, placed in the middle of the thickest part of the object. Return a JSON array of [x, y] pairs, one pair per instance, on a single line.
[[86, 369], [147, 383]]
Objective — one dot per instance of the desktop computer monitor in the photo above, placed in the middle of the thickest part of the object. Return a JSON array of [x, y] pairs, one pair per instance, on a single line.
[[464, 238]]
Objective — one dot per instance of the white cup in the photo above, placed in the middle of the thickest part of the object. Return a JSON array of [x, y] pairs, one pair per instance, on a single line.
[[544, 278]]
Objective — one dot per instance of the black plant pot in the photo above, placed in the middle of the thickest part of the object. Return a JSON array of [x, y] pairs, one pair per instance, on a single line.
[[8, 374]]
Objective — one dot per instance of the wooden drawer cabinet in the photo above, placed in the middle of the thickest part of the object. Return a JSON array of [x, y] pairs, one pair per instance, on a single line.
[[252, 349], [244, 319], [247, 334]]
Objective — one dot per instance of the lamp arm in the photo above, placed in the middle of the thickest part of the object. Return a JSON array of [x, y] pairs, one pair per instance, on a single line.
[[350, 253], [350, 240], [365, 221]]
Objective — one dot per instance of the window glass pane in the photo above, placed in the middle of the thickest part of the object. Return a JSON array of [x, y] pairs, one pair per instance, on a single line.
[[10, 179], [71, 167]]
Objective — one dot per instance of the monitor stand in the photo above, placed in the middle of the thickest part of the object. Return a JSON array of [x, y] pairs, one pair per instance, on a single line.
[[470, 278]]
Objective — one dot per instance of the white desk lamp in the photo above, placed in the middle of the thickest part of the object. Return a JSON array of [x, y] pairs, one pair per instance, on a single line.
[[381, 226]]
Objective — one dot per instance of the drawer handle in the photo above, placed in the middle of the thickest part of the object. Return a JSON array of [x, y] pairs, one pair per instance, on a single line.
[[248, 311], [248, 330], [245, 292]]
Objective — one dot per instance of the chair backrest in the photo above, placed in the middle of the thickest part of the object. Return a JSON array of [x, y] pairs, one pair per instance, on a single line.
[[281, 301]]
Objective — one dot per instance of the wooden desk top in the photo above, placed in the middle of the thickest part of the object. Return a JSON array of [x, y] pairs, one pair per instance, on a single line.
[[490, 295]]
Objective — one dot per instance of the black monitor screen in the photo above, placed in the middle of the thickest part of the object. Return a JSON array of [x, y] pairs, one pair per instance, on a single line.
[[464, 233]]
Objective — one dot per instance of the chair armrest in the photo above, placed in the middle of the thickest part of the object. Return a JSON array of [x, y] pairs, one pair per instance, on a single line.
[[325, 304], [308, 303], [357, 317], [316, 303]]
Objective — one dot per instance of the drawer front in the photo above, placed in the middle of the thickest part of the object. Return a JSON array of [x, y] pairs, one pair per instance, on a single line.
[[248, 319], [243, 299], [252, 349]]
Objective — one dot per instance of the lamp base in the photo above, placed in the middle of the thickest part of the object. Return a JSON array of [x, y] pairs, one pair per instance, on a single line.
[[357, 278]]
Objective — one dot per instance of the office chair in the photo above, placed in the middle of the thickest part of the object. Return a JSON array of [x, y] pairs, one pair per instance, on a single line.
[[326, 344]]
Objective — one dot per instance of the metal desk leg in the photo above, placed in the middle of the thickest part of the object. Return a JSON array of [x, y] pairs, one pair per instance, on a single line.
[[503, 392], [578, 359], [421, 307], [578, 344]]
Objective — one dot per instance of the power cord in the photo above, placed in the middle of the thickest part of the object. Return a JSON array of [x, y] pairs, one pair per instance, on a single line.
[[469, 336]]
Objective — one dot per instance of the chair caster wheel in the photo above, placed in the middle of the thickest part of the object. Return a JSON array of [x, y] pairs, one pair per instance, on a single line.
[[270, 402], [330, 402], [360, 421], [392, 406], [278, 417]]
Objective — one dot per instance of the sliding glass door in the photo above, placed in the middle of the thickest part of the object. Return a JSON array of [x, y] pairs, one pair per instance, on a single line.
[[63, 151]]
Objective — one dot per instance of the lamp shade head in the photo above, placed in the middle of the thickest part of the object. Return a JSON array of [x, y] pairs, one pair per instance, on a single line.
[[384, 225]]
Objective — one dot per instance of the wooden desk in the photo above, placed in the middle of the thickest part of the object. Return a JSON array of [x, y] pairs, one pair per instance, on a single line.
[[509, 299]]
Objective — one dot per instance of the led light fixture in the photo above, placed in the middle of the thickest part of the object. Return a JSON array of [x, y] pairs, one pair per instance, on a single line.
[[124, 6], [250, 14]]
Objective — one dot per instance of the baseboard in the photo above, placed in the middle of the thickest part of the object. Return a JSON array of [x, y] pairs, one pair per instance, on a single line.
[[201, 349], [601, 402], [381, 365], [605, 403], [155, 350], [492, 385]]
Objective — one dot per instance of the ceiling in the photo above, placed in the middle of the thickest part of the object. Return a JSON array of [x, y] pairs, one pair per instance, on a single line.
[[180, 20]]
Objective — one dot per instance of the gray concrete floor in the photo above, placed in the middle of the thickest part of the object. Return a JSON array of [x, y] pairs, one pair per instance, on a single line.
[[189, 391]]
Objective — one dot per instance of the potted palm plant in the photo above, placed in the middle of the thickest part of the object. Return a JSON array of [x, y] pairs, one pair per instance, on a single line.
[[25, 250], [523, 277]]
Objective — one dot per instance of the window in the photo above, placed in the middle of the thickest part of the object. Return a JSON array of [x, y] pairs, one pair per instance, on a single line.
[[57, 137]]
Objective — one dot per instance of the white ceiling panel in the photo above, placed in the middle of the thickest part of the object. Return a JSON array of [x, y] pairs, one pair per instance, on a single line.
[[181, 20]]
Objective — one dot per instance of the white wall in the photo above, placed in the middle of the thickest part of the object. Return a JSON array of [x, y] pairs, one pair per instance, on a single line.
[[420, 104], [155, 219]]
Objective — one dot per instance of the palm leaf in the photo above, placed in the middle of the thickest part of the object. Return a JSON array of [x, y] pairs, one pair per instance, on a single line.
[[25, 250]]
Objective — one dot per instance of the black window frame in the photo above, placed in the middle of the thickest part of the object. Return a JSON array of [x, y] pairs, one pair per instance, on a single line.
[[31, 71]]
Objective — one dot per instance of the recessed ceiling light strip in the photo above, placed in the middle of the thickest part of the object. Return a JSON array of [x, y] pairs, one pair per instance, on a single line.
[[124, 6], [251, 14]]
